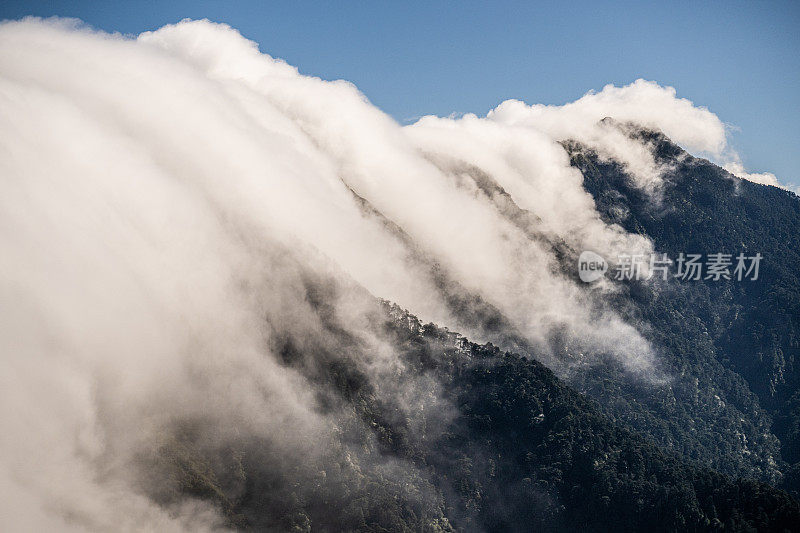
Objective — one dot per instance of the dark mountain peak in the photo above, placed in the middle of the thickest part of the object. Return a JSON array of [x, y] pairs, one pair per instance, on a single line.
[[662, 146]]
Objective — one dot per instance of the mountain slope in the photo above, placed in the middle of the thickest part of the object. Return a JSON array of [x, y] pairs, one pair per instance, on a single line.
[[737, 337], [520, 450]]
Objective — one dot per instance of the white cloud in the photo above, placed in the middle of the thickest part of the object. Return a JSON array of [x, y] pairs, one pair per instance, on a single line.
[[737, 169], [642, 102]]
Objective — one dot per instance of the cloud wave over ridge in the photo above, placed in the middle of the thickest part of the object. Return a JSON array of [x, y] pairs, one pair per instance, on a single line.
[[176, 206]]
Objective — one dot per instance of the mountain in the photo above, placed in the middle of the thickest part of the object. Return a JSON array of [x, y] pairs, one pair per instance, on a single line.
[[521, 451], [495, 441], [234, 296], [739, 341]]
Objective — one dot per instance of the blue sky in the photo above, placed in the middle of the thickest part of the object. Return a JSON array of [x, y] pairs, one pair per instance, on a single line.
[[741, 60]]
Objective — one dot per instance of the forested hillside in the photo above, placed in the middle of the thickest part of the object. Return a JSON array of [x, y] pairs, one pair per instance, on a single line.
[[737, 339], [496, 443]]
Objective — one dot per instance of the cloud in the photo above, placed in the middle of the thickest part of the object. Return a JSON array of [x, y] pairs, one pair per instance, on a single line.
[[146, 268], [644, 103], [765, 178], [380, 163]]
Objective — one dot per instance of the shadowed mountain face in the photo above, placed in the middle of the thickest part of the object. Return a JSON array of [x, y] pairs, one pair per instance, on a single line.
[[496, 442], [737, 337]]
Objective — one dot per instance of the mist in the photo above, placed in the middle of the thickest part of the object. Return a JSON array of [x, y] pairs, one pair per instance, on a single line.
[[179, 211]]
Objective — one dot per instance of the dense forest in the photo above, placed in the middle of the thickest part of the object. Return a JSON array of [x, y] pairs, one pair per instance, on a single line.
[[519, 451], [738, 340]]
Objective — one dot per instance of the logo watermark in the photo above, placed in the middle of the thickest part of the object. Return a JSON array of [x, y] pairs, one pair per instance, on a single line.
[[591, 266], [686, 267]]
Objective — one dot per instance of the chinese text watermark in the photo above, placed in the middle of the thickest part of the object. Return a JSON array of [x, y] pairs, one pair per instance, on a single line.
[[685, 267]]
